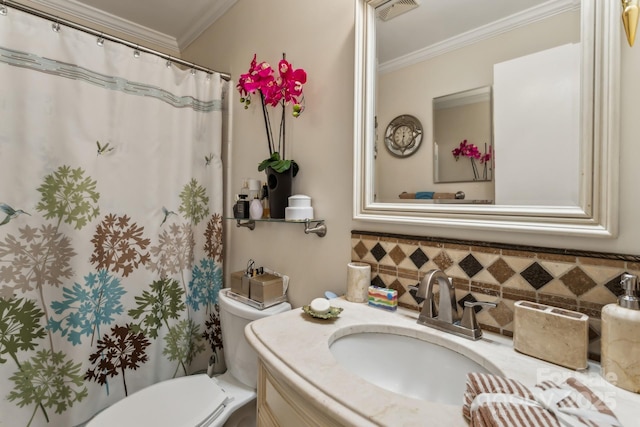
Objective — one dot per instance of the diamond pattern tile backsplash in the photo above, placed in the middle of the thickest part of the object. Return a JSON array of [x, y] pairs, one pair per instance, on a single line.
[[574, 280]]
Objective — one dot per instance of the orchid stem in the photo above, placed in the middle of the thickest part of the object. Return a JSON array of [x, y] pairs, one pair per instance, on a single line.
[[281, 137], [267, 124], [474, 168]]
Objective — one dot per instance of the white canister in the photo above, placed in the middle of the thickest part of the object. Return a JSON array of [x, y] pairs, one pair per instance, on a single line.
[[299, 201], [254, 188], [358, 281]]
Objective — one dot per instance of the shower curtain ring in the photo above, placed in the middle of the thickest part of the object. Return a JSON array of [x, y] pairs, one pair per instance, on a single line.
[[100, 40], [3, 8], [56, 26], [136, 52]]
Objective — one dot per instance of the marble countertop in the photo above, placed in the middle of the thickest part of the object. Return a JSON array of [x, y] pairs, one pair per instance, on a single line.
[[296, 348]]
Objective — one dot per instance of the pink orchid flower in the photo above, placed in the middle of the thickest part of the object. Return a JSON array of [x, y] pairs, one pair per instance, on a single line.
[[486, 158], [282, 89], [466, 149]]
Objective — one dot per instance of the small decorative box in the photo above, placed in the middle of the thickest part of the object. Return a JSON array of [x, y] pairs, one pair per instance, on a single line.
[[384, 298], [240, 283], [266, 288]]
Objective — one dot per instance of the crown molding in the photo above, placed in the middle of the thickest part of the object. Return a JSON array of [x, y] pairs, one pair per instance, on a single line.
[[112, 23], [534, 14], [211, 15]]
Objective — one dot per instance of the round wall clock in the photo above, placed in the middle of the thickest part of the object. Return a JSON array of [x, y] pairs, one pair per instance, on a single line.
[[403, 135]]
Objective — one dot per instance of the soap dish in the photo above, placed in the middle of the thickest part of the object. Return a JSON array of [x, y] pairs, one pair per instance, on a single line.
[[331, 314]]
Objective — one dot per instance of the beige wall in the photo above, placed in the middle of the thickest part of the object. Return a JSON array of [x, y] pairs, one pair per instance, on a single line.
[[319, 37]]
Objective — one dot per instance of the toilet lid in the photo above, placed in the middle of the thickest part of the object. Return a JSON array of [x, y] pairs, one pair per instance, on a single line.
[[194, 400], [245, 311]]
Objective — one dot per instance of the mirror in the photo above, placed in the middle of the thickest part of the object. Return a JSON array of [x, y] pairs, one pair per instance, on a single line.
[[463, 136], [585, 207]]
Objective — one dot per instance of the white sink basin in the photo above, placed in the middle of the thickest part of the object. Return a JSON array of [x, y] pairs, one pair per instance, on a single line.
[[406, 365]]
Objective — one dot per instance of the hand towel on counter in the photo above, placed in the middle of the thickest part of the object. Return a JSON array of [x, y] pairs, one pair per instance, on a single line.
[[494, 401], [417, 195], [426, 195]]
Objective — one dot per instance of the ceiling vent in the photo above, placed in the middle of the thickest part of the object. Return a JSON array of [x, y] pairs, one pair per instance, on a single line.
[[396, 8]]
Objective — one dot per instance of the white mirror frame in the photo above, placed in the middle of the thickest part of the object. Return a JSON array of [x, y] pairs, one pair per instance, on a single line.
[[596, 215]]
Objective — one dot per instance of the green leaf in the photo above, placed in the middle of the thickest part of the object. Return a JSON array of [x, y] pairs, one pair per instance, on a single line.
[[279, 165], [264, 164]]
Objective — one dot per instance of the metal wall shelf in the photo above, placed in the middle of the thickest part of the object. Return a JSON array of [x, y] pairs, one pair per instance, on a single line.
[[311, 226]]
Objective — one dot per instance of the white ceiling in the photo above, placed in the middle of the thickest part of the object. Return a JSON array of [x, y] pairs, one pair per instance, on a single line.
[[174, 24], [170, 24], [436, 26]]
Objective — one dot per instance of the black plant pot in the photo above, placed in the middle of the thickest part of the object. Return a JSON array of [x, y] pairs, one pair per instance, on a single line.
[[280, 187]]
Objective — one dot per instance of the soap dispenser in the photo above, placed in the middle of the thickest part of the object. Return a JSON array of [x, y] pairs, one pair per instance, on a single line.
[[620, 350], [255, 208]]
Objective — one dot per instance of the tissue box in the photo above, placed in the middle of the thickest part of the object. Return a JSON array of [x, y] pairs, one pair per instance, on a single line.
[[553, 334], [265, 288], [240, 283], [384, 298]]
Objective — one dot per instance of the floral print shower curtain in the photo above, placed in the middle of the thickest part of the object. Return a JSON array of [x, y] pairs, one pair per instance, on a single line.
[[110, 221]]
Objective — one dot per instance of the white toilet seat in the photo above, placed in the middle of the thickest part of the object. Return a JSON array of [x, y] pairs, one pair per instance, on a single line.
[[197, 400], [191, 401]]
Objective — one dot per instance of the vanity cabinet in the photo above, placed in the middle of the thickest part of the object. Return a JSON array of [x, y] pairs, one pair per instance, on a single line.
[[280, 406]]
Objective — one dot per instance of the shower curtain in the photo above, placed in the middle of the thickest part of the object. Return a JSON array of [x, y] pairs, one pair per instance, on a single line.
[[110, 221]]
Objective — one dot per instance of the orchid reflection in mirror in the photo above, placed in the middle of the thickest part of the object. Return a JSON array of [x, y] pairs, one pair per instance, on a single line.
[[471, 151], [460, 120]]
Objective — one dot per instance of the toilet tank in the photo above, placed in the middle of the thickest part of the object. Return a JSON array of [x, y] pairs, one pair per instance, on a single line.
[[240, 358]]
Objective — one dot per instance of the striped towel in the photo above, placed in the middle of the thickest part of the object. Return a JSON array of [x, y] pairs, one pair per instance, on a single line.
[[493, 401]]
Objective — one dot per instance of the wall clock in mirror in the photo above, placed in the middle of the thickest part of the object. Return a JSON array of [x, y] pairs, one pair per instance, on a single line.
[[403, 135]]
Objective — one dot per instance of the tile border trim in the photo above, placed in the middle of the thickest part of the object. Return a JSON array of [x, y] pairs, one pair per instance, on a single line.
[[504, 246]]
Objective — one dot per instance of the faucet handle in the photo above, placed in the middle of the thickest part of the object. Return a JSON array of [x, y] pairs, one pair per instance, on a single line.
[[480, 304], [469, 320], [413, 290]]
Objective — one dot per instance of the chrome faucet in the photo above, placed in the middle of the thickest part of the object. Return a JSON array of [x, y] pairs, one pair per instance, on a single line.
[[447, 310], [445, 317]]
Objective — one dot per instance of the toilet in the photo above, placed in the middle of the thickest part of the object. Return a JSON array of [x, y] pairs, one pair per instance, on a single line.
[[198, 400]]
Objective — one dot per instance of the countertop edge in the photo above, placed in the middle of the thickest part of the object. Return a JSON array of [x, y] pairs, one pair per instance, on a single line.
[[300, 356]]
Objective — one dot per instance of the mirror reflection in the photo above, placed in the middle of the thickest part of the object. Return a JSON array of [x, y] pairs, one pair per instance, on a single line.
[[421, 60], [462, 136], [554, 72]]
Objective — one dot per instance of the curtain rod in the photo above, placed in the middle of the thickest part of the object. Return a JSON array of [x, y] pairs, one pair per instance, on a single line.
[[91, 31]]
